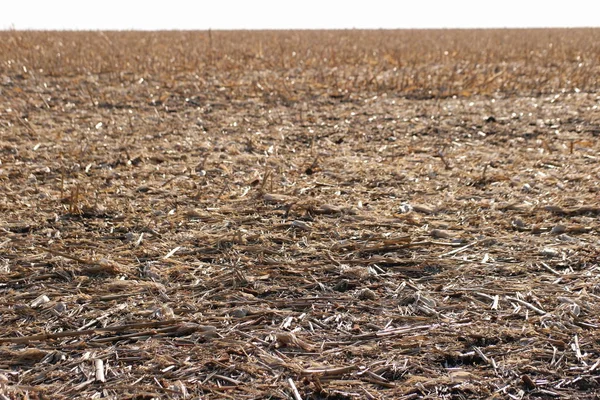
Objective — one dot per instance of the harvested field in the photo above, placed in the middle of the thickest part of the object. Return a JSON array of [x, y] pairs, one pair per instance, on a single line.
[[300, 215]]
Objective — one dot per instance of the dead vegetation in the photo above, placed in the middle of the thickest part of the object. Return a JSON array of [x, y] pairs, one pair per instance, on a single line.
[[300, 215]]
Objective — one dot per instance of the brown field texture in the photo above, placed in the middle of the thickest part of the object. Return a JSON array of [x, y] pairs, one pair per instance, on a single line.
[[300, 215]]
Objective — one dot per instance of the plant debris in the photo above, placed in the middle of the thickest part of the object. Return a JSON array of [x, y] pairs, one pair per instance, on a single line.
[[300, 215]]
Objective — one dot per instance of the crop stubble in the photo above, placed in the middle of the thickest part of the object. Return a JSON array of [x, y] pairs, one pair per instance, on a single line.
[[383, 214]]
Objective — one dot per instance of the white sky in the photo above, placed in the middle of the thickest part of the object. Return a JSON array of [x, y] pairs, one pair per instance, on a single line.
[[297, 14]]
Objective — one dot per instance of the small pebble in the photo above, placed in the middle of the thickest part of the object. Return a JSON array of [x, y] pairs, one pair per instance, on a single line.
[[549, 252], [518, 223], [60, 307], [405, 208], [239, 313], [367, 294], [566, 238], [341, 286], [43, 299]]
